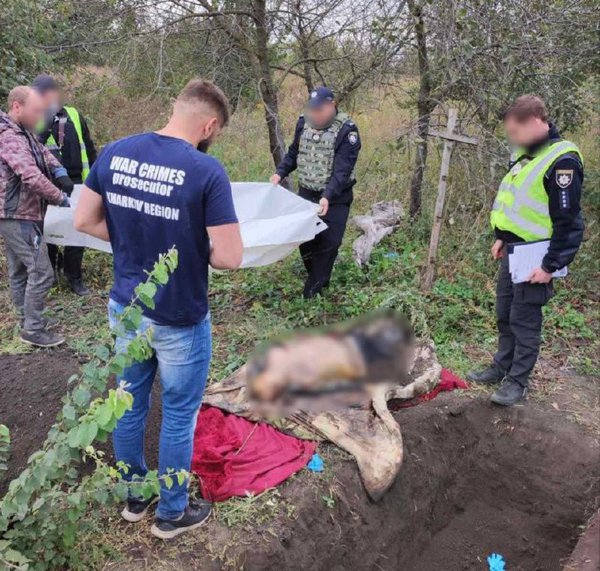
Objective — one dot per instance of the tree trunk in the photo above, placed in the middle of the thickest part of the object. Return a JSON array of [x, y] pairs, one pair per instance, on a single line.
[[266, 85], [425, 106], [416, 182], [304, 50]]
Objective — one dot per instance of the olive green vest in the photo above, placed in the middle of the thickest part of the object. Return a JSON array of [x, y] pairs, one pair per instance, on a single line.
[[521, 205], [316, 152], [52, 145]]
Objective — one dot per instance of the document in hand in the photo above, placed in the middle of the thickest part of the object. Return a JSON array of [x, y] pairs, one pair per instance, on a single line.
[[273, 222], [524, 257]]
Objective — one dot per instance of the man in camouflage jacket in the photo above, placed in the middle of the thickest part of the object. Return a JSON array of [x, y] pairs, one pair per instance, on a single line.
[[30, 178]]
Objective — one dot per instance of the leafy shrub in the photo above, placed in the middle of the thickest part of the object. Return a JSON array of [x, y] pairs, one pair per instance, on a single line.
[[42, 512]]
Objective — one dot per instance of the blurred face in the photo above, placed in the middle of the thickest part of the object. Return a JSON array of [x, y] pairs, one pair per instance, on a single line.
[[525, 133], [29, 113], [53, 101], [321, 115]]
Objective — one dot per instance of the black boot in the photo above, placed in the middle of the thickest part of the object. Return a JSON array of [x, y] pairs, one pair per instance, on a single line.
[[510, 392], [78, 287], [493, 374]]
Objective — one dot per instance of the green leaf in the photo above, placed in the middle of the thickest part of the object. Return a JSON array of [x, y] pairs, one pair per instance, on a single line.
[[75, 498], [13, 556], [73, 437], [119, 363], [103, 414], [160, 274], [147, 301], [146, 290], [81, 396], [102, 352], [88, 432], [69, 412], [82, 435], [121, 491]]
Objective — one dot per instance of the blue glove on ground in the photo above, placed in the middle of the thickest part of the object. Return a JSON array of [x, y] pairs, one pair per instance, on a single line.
[[496, 562]]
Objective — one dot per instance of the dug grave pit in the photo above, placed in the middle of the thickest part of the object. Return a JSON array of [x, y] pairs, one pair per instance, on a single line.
[[476, 480]]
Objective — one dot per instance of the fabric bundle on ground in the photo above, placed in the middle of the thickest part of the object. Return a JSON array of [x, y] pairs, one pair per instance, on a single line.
[[234, 456], [382, 220], [371, 434]]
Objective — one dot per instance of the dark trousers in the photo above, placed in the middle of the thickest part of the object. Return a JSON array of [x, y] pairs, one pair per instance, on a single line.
[[320, 253], [519, 320], [68, 259], [29, 271]]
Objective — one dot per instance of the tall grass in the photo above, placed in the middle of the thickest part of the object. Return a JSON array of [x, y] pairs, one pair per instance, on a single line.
[[254, 304]]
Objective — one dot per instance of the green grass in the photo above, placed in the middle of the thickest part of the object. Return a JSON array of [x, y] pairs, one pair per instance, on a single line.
[[254, 305]]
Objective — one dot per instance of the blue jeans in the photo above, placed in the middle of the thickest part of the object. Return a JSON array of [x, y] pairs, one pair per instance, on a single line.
[[182, 357]]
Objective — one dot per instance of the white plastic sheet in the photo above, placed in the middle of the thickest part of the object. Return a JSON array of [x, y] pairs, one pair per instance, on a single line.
[[273, 223]]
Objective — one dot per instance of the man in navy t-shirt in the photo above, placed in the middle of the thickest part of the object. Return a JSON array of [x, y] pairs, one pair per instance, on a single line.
[[146, 194]]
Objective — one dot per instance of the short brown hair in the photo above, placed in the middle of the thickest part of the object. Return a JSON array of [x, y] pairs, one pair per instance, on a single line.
[[207, 92], [18, 94], [525, 107]]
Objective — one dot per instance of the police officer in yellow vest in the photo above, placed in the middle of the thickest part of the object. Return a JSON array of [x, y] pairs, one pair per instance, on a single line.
[[324, 152], [539, 199], [67, 136]]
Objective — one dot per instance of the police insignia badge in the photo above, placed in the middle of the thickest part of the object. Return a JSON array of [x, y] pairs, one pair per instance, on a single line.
[[353, 137], [564, 177], [516, 169], [313, 94]]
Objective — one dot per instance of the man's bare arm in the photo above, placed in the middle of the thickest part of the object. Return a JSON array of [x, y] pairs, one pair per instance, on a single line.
[[90, 217], [226, 246]]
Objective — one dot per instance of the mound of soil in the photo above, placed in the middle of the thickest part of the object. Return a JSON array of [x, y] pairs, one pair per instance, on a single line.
[[586, 555], [476, 480], [31, 388]]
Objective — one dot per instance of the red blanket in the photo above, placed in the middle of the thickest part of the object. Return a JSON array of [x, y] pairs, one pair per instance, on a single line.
[[234, 456], [448, 382]]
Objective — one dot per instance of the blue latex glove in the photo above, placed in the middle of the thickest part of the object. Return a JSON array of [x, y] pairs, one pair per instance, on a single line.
[[496, 562], [316, 464]]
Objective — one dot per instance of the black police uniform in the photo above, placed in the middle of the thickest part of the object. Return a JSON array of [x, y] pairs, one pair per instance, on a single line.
[[320, 253], [69, 156], [519, 306]]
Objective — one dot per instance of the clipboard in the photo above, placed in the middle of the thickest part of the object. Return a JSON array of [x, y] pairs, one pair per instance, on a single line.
[[524, 257]]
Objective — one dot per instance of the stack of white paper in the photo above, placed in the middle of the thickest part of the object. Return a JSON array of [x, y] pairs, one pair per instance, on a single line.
[[526, 257]]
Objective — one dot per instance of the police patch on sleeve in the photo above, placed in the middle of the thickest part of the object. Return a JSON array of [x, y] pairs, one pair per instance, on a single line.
[[353, 137], [564, 177]]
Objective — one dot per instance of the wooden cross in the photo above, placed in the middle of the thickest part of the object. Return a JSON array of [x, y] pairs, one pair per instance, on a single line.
[[450, 138]]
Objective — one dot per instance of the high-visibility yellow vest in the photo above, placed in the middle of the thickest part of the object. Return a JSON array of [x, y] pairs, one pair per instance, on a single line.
[[521, 205], [51, 143]]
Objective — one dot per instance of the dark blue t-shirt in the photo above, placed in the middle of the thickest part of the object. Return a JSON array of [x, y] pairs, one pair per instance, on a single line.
[[160, 192]]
